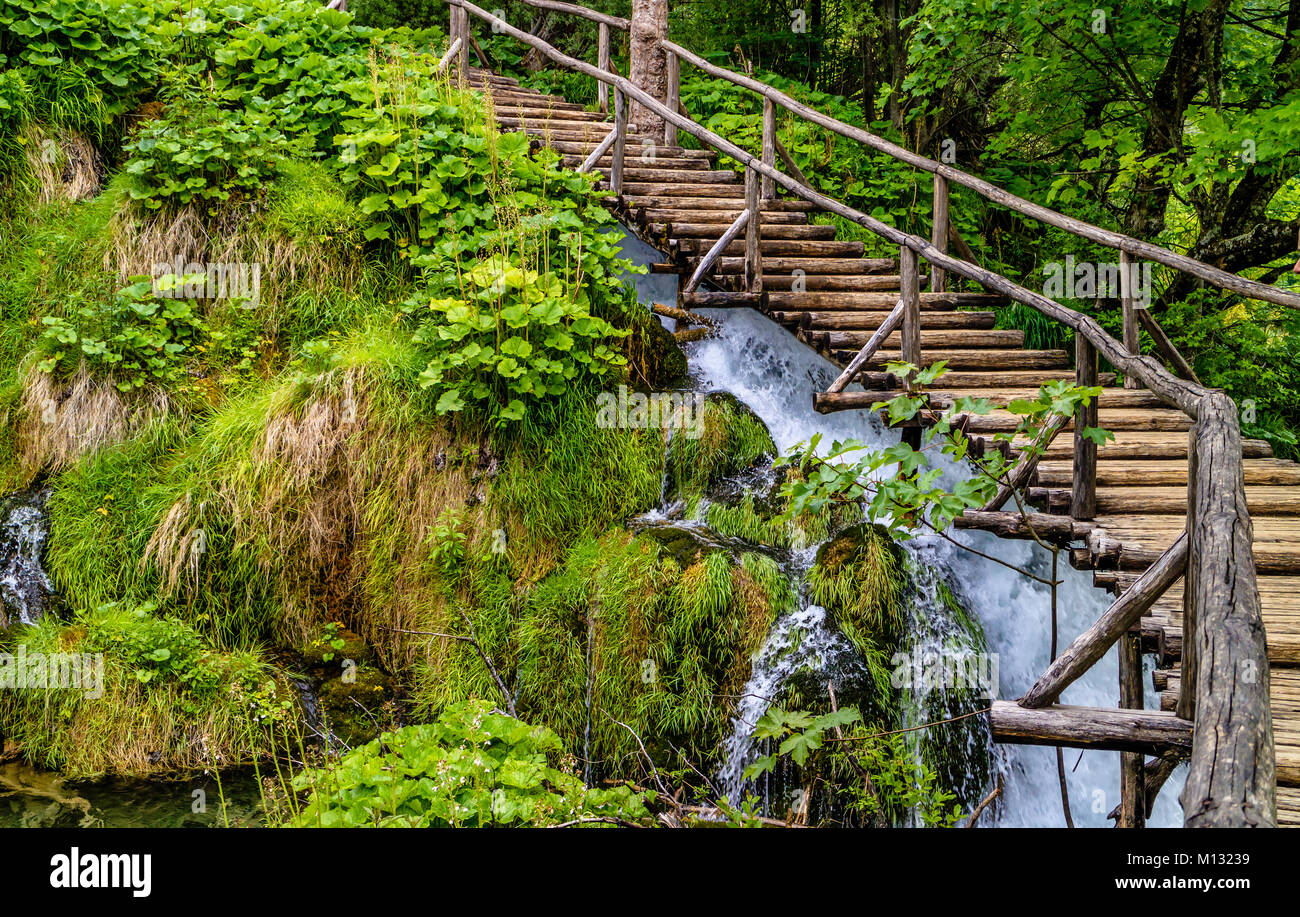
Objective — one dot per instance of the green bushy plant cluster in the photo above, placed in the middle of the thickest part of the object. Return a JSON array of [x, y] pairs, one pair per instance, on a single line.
[[133, 336], [87, 61], [201, 152], [472, 767]]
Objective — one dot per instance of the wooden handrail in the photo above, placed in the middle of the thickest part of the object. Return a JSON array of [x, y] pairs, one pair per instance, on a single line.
[[1118, 241], [1232, 778], [614, 22]]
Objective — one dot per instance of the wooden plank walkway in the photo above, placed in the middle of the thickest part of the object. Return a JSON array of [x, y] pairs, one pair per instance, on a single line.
[[831, 296]]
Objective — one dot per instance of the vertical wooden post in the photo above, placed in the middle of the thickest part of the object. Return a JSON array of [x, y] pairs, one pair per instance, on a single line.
[[620, 141], [1083, 498], [462, 57], [769, 147], [909, 286], [939, 232], [672, 98], [1132, 789], [1131, 341], [910, 293], [602, 62], [753, 249]]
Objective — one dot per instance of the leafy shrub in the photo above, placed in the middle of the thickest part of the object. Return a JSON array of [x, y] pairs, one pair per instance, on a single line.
[[205, 153], [471, 768], [517, 336], [89, 60], [134, 336]]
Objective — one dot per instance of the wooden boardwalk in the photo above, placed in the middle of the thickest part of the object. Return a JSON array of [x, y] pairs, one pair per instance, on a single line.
[[825, 291]]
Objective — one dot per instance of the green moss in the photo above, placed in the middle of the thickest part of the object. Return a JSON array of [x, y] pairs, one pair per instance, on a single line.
[[161, 700], [733, 439], [860, 579]]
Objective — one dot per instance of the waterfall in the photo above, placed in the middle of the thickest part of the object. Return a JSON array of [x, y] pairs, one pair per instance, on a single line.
[[776, 377], [25, 590]]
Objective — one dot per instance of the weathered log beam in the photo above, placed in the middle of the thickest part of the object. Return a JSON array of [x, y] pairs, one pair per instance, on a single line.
[[1166, 346], [1084, 651], [714, 253], [1150, 732], [1024, 470], [1048, 527], [1232, 781]]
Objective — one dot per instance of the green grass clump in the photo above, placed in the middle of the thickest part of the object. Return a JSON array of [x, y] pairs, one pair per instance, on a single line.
[[733, 439], [859, 577], [147, 695]]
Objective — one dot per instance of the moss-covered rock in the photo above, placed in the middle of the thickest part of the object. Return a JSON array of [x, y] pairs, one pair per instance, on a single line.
[[859, 577]]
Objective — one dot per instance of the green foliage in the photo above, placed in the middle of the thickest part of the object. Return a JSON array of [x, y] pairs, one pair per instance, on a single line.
[[914, 495], [1249, 349], [153, 697], [515, 338], [88, 61], [201, 152], [859, 578], [471, 768], [732, 440], [889, 782], [135, 337]]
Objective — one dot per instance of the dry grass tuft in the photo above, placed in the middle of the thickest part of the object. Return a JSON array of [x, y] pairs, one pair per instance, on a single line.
[[66, 166], [141, 242], [59, 421]]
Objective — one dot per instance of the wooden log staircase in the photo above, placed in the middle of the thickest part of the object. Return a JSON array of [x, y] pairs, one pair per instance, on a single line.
[[1177, 464]]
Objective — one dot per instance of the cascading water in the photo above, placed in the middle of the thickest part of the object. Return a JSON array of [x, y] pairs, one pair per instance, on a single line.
[[25, 590], [776, 377]]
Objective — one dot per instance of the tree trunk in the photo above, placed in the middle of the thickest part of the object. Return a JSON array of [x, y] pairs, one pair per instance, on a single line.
[[649, 69]]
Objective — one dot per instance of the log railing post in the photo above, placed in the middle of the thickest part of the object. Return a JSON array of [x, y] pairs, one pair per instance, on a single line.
[[602, 62], [769, 147], [673, 68], [1232, 777], [1131, 341], [753, 247], [620, 142], [462, 56], [1132, 802], [939, 232], [910, 294], [1083, 497]]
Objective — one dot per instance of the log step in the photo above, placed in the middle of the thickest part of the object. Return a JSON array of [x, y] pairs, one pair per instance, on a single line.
[[710, 232], [1140, 445], [965, 338], [1260, 499], [673, 202], [970, 359], [1147, 731], [691, 250], [869, 321], [787, 265], [1160, 472], [857, 301], [658, 218]]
